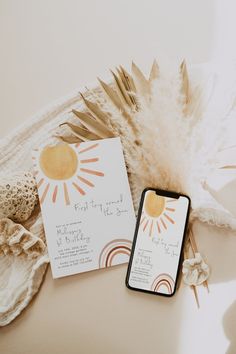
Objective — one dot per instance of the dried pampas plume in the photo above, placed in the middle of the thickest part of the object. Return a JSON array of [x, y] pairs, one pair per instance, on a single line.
[[164, 123]]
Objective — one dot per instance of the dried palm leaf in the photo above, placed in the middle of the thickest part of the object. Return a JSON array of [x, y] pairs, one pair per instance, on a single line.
[[185, 81], [95, 110], [82, 133], [92, 125], [154, 73], [123, 97], [112, 94], [69, 139], [141, 83], [129, 85], [115, 99], [122, 90], [128, 79]]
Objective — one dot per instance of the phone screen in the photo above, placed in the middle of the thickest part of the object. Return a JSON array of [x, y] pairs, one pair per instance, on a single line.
[[158, 242]]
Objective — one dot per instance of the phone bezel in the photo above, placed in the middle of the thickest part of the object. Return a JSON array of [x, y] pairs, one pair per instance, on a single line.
[[166, 194]]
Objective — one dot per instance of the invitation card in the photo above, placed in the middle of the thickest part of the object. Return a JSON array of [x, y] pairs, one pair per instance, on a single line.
[[86, 205]]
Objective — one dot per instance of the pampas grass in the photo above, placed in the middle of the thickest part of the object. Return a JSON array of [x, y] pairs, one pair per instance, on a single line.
[[172, 128]]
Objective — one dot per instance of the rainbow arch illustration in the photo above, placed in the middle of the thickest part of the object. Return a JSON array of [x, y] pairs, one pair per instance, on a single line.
[[163, 283], [113, 253]]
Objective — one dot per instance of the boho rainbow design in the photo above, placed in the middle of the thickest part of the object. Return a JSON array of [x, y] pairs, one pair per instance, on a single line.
[[110, 253], [61, 167], [164, 283], [157, 213]]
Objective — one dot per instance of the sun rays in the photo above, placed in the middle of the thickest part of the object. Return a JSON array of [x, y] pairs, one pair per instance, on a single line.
[[62, 169], [157, 214]]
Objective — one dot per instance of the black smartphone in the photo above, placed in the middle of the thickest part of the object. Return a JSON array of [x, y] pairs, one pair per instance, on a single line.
[[158, 242]]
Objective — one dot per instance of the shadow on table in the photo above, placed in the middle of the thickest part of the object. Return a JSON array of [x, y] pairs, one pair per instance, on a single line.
[[229, 324], [218, 248]]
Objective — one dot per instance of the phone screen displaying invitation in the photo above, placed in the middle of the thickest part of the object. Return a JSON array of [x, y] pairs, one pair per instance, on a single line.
[[158, 243]]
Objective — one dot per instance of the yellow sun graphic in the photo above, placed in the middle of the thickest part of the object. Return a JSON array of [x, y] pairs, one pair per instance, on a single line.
[[58, 162], [156, 213], [62, 166]]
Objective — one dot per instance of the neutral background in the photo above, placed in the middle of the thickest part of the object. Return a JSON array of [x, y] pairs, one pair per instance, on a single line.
[[51, 47]]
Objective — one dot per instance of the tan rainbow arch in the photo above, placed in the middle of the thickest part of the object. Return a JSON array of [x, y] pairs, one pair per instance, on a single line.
[[163, 283], [110, 253]]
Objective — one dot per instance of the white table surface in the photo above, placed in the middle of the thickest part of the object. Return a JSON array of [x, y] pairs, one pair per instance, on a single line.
[[49, 48]]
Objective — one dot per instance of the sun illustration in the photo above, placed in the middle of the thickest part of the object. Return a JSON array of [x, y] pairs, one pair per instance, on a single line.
[[62, 168], [156, 215]]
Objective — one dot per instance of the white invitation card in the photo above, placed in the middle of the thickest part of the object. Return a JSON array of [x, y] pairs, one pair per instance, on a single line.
[[86, 205]]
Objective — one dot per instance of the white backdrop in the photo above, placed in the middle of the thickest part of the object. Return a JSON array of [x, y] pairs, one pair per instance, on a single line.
[[49, 48]]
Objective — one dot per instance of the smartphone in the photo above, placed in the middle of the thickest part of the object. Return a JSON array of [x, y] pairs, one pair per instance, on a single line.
[[158, 242]]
